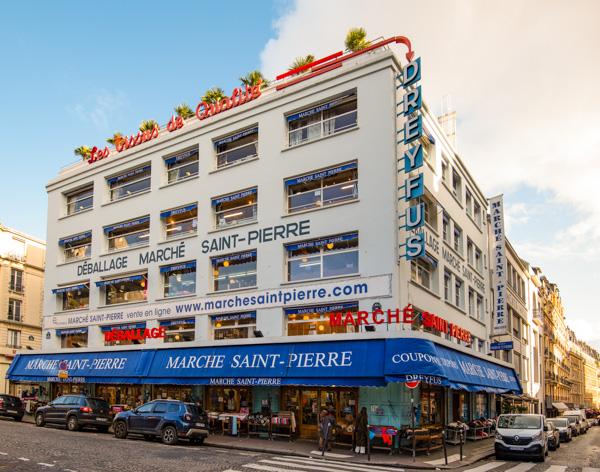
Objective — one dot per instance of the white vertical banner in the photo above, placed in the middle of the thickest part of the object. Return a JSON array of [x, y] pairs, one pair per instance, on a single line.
[[499, 265]]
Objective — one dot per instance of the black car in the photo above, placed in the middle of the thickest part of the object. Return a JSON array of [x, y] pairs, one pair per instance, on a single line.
[[75, 411], [169, 419], [12, 407]]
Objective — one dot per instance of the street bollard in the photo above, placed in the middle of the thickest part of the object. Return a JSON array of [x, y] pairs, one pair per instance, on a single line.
[[444, 446], [461, 441]]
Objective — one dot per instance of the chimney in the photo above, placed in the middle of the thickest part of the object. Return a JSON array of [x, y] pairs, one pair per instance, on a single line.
[[448, 120]]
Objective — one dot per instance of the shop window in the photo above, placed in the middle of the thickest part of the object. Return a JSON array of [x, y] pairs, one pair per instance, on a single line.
[[432, 405], [14, 310], [180, 221], [183, 166], [229, 399], [16, 280], [317, 320], [80, 199], [130, 183], [421, 271], [237, 148], [481, 405], [322, 258], [73, 298], [128, 234], [73, 337], [179, 279], [235, 208], [77, 247], [324, 119], [236, 326], [13, 339], [179, 331], [129, 332], [124, 290], [234, 271], [327, 187]]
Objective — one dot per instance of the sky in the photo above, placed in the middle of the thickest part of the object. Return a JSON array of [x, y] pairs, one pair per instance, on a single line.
[[522, 76]]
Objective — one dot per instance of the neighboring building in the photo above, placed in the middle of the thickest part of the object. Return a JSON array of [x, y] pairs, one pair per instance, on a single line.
[[576, 371], [21, 295], [591, 397]]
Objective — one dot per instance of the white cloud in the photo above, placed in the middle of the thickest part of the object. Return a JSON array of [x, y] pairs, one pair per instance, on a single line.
[[98, 106]]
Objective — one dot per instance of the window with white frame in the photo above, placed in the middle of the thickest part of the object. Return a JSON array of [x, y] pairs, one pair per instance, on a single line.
[[13, 339], [459, 288], [234, 326], [478, 260], [182, 166], [237, 147], [456, 185], [80, 199], [128, 234], [14, 310], [458, 239], [72, 337], [234, 271], [422, 270], [468, 202], [127, 338], [470, 252], [322, 258], [129, 183], [317, 320], [77, 247], [481, 346], [429, 209], [179, 331], [16, 280], [334, 185], [447, 286], [446, 228], [477, 213], [180, 222], [235, 208], [179, 279], [479, 307], [471, 302], [445, 171], [323, 119], [73, 298], [124, 290]]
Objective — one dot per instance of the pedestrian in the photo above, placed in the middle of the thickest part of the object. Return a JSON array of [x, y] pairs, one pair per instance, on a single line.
[[362, 431], [328, 422]]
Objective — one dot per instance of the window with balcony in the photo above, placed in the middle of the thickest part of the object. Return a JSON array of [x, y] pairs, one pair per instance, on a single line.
[[14, 310], [129, 234], [319, 189], [234, 326], [322, 120], [73, 298], [236, 148], [13, 339], [179, 279], [77, 247], [80, 199], [234, 271], [235, 208], [124, 290], [16, 280], [316, 320], [179, 331], [129, 183], [182, 166]]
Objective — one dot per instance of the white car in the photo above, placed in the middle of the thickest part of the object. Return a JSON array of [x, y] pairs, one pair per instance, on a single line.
[[564, 428], [522, 436]]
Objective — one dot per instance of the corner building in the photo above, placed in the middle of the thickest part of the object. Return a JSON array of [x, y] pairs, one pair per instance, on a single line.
[[253, 260]]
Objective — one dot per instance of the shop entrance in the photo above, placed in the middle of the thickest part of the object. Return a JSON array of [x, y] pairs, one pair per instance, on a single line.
[[432, 405], [60, 389], [460, 406], [122, 395]]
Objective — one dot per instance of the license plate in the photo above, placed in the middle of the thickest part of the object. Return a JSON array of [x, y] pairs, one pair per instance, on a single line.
[[517, 448], [201, 425], [12, 411], [101, 419]]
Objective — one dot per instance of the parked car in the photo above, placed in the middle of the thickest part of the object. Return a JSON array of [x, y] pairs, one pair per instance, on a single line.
[[575, 423], [564, 428], [553, 435], [582, 418], [75, 411], [169, 419], [12, 407], [521, 436]]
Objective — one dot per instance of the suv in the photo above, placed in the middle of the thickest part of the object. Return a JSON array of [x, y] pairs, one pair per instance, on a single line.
[[76, 411], [11, 406], [521, 435], [582, 419], [169, 419], [575, 424]]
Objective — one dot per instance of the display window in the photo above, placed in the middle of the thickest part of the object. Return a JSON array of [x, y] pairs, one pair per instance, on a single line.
[[432, 405], [73, 337], [186, 393], [123, 342], [122, 396], [129, 183], [62, 389], [128, 234], [235, 208], [234, 271], [179, 279], [182, 166], [76, 247], [323, 119], [124, 290], [316, 320], [178, 331], [461, 406], [180, 221], [319, 189], [229, 399], [235, 326], [322, 258], [237, 147], [73, 298], [80, 199]]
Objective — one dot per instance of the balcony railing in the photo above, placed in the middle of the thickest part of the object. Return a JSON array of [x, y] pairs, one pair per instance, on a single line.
[[538, 317], [13, 346], [14, 256]]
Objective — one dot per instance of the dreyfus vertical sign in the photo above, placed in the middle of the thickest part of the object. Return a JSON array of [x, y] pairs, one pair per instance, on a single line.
[[412, 104], [499, 264]]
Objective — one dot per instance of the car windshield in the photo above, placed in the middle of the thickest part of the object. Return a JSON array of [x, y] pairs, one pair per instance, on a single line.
[[571, 419], [519, 422], [560, 423], [97, 403], [194, 409]]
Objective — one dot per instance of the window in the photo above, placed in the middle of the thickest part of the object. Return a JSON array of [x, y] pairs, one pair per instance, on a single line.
[[130, 183], [445, 171], [127, 235], [458, 293], [327, 187], [77, 247], [316, 320], [180, 222], [456, 185], [16, 280], [236, 326], [421, 270], [73, 337], [471, 302], [481, 345], [237, 148], [80, 200], [478, 260], [470, 253], [124, 290], [235, 208], [14, 339], [458, 239], [477, 213], [468, 202], [14, 310], [127, 338], [179, 279], [525, 333], [182, 166], [479, 307], [447, 282], [321, 258], [178, 331], [446, 228], [234, 271], [516, 326], [73, 298], [429, 209], [322, 120]]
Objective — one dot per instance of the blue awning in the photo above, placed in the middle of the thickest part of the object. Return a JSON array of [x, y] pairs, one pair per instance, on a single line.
[[72, 239], [235, 196], [104, 329], [68, 289], [235, 137], [71, 331], [320, 175], [177, 322], [317, 109], [235, 257], [118, 281], [181, 157], [189, 265], [321, 242], [129, 174], [127, 224], [178, 211]]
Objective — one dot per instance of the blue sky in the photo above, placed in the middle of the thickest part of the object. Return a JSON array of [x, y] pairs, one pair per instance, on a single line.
[[522, 77]]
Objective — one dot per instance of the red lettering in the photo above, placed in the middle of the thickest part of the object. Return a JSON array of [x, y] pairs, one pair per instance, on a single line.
[[408, 314], [236, 92], [119, 143], [146, 333], [154, 332], [349, 319], [93, 158], [335, 319], [108, 336], [204, 114], [375, 314], [256, 89], [120, 336], [395, 316], [162, 332], [362, 316], [225, 104], [427, 321]]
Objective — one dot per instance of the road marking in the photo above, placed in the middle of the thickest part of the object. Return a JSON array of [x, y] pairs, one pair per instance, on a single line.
[[556, 468], [265, 468], [3, 454], [522, 467], [452, 458], [590, 469], [346, 466], [23, 459], [231, 470], [486, 467], [47, 465]]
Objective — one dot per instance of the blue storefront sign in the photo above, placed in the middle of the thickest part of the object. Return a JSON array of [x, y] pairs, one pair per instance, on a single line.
[[504, 346]]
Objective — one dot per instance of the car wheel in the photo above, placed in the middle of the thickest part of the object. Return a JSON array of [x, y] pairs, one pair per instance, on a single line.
[[148, 437], [103, 429], [197, 440], [169, 436], [39, 419], [120, 430], [72, 424]]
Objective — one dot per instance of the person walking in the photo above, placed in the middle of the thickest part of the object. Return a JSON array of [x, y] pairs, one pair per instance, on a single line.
[[362, 431], [328, 422]]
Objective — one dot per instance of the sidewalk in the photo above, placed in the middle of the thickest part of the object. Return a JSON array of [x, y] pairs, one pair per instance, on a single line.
[[472, 451]]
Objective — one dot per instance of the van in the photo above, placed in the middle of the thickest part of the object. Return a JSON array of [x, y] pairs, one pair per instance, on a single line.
[[522, 436], [582, 418]]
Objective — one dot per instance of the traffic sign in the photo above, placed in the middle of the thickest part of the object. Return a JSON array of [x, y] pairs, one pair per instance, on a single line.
[[412, 383]]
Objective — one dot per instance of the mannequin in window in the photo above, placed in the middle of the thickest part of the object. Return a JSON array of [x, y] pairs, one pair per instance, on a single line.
[[231, 403]]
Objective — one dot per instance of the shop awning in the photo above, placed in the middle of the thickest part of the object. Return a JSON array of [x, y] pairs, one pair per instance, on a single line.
[[560, 406]]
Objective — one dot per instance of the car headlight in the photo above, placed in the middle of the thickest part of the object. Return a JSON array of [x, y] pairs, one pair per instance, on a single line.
[[536, 436], [498, 435]]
